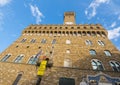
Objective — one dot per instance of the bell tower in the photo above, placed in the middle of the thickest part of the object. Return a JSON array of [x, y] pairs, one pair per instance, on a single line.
[[69, 18]]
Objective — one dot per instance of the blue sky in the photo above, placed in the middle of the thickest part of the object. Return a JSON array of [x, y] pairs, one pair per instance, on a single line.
[[15, 15]]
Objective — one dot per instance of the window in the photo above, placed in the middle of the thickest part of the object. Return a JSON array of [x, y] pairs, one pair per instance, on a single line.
[[107, 53], [93, 34], [54, 41], [88, 34], [88, 42], [68, 51], [98, 34], [115, 65], [17, 79], [68, 42], [18, 59], [32, 60], [6, 57], [67, 63], [97, 65], [83, 33], [103, 34], [101, 43], [43, 41], [33, 40], [23, 40], [92, 52]]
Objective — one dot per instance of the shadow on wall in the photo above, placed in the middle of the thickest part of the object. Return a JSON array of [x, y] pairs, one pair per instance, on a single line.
[[82, 69]]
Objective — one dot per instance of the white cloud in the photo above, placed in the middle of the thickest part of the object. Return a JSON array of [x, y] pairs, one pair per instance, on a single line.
[[4, 2], [91, 10], [114, 33], [36, 13], [113, 24]]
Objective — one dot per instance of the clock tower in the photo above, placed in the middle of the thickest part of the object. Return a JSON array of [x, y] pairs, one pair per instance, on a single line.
[[69, 18]]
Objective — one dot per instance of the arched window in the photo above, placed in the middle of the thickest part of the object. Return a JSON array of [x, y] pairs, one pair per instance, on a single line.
[[97, 65], [53, 41], [32, 60], [107, 53], [59, 32], [23, 40], [19, 58], [98, 34], [115, 65], [88, 42], [103, 34], [83, 33], [33, 40], [6, 57], [74, 33], [101, 43], [79, 33], [43, 41], [88, 33], [92, 52]]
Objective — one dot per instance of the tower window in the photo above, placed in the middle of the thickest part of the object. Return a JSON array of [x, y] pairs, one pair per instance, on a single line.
[[92, 52], [32, 60], [45, 27], [88, 42], [53, 41], [32, 31], [115, 65], [6, 57], [78, 27], [60, 27], [91, 27], [55, 27], [50, 27], [72, 27], [97, 65], [101, 43], [43, 41], [18, 59], [66, 27], [107, 53], [85, 27], [33, 40], [23, 40], [98, 27]]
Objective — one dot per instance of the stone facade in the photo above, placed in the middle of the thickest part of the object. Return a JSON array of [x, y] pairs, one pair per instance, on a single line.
[[69, 53]]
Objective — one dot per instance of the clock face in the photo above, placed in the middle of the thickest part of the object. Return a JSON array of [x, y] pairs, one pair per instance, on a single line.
[[69, 23]]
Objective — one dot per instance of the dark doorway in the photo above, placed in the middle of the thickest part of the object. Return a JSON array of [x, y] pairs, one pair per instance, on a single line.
[[66, 81]]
